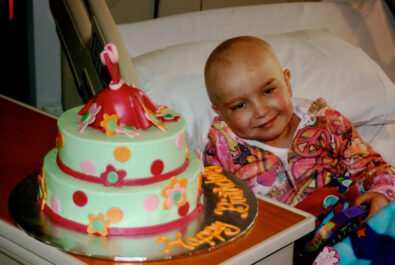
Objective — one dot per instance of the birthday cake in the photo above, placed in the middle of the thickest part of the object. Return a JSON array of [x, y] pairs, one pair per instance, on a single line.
[[121, 165]]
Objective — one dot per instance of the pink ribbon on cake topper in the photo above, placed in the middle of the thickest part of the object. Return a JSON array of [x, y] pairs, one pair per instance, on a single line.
[[109, 57]]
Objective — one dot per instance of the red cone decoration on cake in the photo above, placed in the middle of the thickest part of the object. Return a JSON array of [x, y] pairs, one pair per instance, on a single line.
[[120, 108]]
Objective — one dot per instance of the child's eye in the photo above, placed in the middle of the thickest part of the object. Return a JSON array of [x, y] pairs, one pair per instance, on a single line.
[[238, 106], [268, 91]]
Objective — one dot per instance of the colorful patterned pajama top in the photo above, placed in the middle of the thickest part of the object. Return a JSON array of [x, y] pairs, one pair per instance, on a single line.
[[326, 156]]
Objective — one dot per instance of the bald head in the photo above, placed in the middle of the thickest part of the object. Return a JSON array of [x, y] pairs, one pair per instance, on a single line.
[[232, 55]]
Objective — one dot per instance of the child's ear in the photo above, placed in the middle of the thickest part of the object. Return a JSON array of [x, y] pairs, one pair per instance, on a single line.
[[287, 78]]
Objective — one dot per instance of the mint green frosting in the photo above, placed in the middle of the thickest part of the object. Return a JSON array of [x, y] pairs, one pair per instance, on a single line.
[[95, 146]]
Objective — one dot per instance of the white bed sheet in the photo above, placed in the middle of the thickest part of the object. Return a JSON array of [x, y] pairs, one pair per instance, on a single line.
[[381, 138]]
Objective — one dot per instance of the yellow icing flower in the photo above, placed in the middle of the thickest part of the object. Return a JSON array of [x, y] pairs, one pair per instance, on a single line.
[[153, 119], [42, 191], [97, 224], [175, 193], [200, 180], [109, 123], [59, 140]]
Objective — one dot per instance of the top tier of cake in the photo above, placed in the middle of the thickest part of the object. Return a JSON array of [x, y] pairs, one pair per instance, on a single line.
[[121, 160]]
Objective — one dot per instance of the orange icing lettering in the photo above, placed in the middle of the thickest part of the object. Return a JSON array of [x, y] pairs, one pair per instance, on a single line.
[[231, 198], [176, 242], [206, 236]]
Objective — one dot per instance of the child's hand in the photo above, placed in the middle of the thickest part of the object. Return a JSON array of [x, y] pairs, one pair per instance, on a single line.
[[375, 200]]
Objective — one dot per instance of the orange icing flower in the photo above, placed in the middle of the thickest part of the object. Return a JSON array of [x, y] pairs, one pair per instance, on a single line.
[[97, 224], [200, 181], [175, 193], [109, 123], [60, 139], [42, 191], [153, 119]]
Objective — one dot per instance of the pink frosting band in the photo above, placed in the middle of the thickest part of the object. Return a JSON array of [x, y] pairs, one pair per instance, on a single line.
[[125, 182], [115, 231]]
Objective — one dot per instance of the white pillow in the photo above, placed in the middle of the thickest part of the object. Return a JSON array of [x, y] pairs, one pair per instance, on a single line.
[[321, 65]]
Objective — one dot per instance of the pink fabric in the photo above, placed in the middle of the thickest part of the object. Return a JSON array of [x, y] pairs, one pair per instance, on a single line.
[[326, 150]]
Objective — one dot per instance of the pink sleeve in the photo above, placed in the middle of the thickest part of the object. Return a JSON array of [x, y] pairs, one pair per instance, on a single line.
[[218, 151], [210, 153]]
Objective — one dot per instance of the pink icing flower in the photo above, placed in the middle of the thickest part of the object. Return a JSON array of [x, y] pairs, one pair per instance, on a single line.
[[89, 117], [127, 130], [200, 156], [327, 256], [113, 177], [175, 193]]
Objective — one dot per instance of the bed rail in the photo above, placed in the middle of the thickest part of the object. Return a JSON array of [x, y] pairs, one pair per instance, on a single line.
[[84, 28]]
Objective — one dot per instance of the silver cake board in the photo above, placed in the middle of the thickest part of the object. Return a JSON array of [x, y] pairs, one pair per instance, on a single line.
[[24, 209]]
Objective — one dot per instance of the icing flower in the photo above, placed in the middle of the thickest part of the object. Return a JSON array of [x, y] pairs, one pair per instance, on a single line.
[[127, 130], [154, 120], [89, 117], [168, 118], [97, 224], [113, 177], [200, 156], [42, 191], [175, 193], [109, 123], [59, 140]]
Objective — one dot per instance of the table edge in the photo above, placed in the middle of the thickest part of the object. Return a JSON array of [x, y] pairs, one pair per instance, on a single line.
[[278, 241], [28, 106]]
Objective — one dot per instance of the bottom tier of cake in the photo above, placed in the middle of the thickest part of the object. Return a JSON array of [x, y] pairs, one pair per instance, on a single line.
[[128, 210]]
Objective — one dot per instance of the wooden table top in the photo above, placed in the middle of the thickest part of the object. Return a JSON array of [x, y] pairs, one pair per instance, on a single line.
[[26, 135]]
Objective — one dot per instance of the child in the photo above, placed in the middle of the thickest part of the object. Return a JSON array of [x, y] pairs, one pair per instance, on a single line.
[[287, 149]]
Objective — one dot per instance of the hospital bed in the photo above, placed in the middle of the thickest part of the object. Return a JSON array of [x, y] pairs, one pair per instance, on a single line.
[[341, 51]]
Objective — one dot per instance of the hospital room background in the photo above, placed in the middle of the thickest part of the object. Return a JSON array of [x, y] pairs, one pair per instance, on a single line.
[[34, 48], [168, 53], [34, 56]]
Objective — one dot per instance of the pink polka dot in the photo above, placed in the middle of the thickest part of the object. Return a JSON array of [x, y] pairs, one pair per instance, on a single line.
[[88, 167], [80, 198], [180, 140], [157, 167], [151, 202], [55, 204]]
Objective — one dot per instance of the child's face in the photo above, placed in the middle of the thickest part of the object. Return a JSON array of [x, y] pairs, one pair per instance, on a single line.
[[253, 95]]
